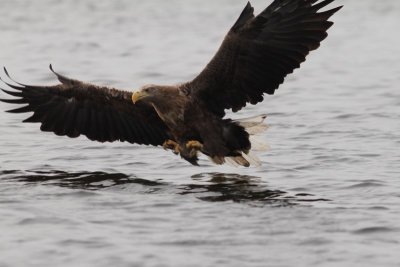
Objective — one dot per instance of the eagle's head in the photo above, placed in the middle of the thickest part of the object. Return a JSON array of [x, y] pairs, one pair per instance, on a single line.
[[147, 93], [154, 93]]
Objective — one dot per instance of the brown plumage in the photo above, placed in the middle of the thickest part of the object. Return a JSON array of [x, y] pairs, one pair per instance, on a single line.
[[254, 58]]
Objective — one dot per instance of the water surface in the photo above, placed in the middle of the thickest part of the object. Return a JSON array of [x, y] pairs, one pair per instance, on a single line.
[[328, 191]]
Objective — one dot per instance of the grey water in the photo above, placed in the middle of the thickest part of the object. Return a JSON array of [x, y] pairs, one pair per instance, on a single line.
[[327, 194]]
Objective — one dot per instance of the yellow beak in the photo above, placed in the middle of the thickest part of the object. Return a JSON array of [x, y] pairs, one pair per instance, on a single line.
[[136, 96]]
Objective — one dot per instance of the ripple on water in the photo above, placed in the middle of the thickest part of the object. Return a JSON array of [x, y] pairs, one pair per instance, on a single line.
[[75, 180], [45, 220], [95, 243], [6, 172], [348, 116], [209, 187], [315, 241], [367, 183], [375, 230], [378, 208]]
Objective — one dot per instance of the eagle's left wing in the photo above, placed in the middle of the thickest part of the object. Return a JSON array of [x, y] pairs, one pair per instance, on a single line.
[[259, 52]]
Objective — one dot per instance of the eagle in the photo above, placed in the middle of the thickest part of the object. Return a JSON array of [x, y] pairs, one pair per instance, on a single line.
[[254, 58]]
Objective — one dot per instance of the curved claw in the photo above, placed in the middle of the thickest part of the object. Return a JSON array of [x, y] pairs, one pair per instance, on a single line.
[[172, 145], [194, 147]]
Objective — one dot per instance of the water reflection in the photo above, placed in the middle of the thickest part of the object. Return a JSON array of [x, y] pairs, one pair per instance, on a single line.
[[210, 187], [77, 180], [216, 187]]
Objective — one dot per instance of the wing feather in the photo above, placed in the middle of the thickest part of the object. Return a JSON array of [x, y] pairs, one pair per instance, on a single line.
[[259, 52], [75, 108]]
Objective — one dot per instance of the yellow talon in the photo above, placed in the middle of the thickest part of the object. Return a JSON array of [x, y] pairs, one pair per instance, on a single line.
[[169, 144], [172, 145], [177, 150], [194, 145]]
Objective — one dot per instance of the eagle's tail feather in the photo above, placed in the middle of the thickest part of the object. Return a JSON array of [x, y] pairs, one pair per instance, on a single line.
[[240, 161], [243, 135], [255, 126], [234, 161], [252, 159]]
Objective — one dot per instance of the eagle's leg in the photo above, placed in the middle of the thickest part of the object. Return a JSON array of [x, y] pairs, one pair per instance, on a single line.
[[172, 145], [194, 147]]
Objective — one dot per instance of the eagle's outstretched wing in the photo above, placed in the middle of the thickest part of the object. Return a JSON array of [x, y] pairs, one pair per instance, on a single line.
[[102, 114], [259, 51]]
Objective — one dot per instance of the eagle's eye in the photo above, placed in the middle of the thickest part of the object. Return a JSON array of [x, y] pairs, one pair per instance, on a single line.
[[148, 89]]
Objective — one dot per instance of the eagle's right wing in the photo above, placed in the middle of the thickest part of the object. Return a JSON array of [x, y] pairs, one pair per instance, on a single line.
[[102, 114]]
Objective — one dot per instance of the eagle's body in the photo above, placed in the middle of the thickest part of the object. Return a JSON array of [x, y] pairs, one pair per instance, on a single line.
[[193, 127], [254, 58]]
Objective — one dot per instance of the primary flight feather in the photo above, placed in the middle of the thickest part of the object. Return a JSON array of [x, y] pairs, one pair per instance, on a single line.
[[255, 57]]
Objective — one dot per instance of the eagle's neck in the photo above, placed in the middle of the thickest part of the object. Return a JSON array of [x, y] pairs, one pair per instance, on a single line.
[[171, 109]]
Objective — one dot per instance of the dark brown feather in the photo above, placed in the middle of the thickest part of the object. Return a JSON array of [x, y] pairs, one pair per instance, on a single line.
[[102, 114], [259, 52]]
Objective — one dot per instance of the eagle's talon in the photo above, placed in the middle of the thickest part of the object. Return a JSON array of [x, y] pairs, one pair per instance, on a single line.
[[196, 145], [193, 147], [172, 145], [169, 144], [177, 150]]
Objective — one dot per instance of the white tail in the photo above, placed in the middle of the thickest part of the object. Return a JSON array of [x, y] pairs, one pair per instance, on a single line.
[[254, 126]]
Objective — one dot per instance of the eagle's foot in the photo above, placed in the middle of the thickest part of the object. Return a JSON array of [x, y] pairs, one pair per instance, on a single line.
[[172, 145], [194, 147]]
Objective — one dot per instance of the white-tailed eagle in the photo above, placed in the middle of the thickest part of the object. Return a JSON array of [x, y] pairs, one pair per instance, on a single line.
[[255, 57]]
